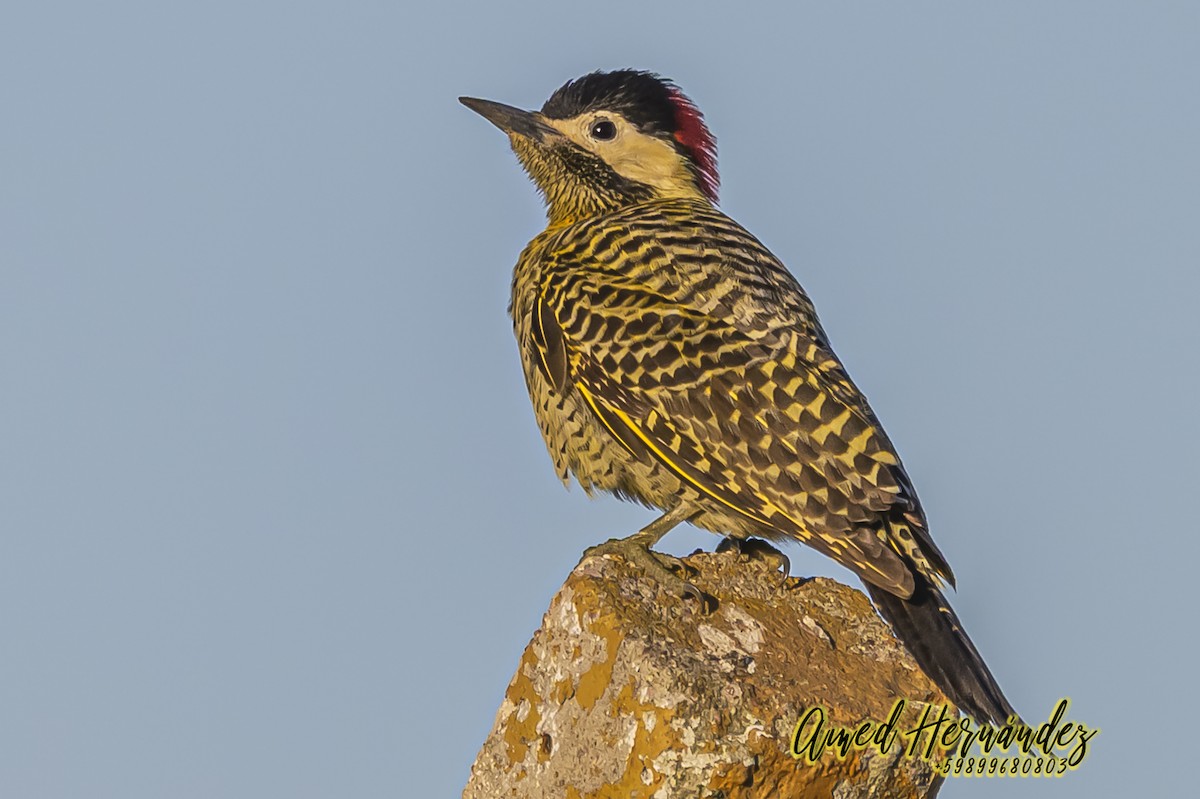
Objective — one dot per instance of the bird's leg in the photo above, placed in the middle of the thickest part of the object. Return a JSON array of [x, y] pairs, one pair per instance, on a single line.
[[636, 549], [758, 549]]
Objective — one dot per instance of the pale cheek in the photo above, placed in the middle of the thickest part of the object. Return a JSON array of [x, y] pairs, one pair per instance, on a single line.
[[647, 165], [655, 171]]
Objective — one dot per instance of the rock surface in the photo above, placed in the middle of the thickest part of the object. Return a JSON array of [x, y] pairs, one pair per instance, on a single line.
[[627, 691]]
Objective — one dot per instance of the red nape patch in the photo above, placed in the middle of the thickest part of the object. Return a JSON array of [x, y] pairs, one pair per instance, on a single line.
[[693, 134]]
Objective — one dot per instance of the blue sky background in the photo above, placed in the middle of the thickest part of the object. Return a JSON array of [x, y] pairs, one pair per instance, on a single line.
[[274, 516]]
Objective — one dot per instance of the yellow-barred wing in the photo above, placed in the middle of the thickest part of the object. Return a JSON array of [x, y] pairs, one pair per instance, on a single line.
[[739, 398]]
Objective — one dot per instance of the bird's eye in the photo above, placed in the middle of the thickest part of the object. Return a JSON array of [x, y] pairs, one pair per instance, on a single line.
[[603, 129]]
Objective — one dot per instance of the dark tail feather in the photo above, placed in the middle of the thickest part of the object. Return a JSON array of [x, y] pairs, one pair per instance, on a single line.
[[934, 636]]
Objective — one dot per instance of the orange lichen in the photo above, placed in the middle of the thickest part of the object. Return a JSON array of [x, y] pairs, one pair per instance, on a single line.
[[518, 732]]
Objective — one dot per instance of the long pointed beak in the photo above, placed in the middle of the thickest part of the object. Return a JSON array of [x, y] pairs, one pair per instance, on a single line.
[[509, 119]]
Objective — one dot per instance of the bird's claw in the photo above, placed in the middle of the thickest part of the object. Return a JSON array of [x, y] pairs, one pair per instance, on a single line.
[[760, 550], [660, 566]]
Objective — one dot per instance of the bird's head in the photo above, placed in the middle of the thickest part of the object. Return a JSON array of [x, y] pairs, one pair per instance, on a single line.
[[610, 139]]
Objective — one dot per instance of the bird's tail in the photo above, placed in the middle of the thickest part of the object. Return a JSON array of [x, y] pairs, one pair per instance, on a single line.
[[932, 633]]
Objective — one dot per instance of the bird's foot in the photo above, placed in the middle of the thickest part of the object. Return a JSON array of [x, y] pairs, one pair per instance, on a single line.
[[759, 550], [636, 549]]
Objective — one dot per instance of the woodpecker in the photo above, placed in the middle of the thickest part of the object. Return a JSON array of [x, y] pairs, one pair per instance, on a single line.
[[673, 360]]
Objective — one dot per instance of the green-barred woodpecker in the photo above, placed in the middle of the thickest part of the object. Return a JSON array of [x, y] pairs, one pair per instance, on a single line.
[[673, 360]]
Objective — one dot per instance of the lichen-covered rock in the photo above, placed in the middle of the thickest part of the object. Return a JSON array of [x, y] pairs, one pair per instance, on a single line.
[[628, 692]]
